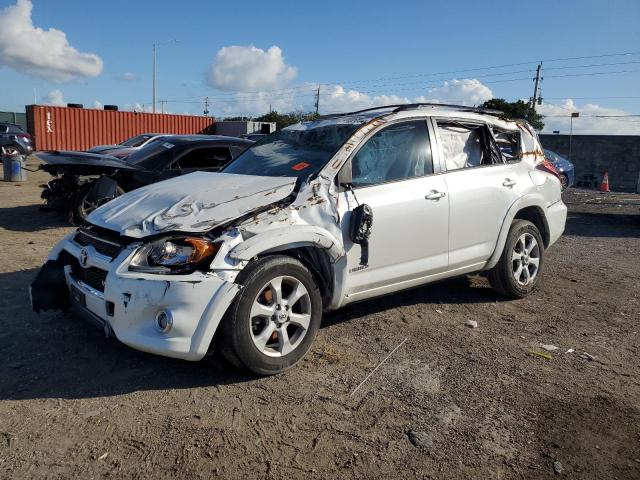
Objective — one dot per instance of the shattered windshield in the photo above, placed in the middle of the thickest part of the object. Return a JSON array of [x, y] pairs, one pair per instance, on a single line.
[[299, 151]]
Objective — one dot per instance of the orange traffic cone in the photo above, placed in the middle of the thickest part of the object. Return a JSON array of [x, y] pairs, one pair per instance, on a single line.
[[604, 186]]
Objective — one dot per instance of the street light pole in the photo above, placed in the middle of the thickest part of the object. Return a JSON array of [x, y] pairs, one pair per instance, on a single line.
[[573, 115], [154, 78]]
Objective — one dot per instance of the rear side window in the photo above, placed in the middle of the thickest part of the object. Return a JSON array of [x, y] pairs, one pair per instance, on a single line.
[[398, 152], [467, 145], [205, 158], [4, 129]]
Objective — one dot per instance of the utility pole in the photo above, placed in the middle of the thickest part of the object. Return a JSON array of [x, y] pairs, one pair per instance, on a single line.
[[206, 106], [536, 89], [154, 77], [318, 100], [162, 102], [155, 48]]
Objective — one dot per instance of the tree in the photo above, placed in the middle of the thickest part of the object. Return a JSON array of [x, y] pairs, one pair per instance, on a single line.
[[516, 111], [285, 119]]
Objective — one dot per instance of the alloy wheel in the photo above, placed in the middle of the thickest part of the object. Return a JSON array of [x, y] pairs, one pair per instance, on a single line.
[[280, 316], [525, 259]]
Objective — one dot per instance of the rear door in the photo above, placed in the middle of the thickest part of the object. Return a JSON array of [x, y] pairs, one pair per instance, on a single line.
[[482, 187], [393, 172]]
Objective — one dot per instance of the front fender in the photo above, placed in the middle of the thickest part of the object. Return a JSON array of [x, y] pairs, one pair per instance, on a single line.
[[285, 238], [531, 200]]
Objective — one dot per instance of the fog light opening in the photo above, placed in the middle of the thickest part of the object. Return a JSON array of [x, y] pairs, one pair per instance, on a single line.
[[164, 321]]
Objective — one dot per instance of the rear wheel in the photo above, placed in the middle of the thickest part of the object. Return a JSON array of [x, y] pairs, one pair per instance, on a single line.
[[11, 150], [518, 271], [564, 181], [272, 323]]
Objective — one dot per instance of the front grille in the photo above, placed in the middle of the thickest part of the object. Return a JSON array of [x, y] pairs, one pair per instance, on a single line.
[[92, 276], [105, 247]]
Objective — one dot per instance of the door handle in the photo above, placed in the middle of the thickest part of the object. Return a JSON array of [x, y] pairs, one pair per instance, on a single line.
[[508, 182], [434, 195]]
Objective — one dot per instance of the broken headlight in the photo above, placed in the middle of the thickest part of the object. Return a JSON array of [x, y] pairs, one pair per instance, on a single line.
[[174, 255]]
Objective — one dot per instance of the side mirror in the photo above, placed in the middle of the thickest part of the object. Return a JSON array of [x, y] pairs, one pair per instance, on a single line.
[[360, 229], [345, 176]]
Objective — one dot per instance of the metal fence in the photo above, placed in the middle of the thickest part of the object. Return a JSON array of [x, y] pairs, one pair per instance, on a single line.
[[14, 117]]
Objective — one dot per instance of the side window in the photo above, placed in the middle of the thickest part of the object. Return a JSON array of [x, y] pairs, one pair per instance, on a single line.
[[397, 152], [4, 129], [509, 144], [467, 145], [204, 158]]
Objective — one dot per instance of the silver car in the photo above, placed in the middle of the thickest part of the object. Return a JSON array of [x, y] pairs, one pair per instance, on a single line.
[[318, 215]]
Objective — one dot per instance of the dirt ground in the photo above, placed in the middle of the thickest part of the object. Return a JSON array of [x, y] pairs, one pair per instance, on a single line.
[[451, 402]]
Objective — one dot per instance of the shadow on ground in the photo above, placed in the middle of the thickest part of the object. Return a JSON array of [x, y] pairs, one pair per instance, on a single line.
[[590, 224], [30, 218], [59, 355]]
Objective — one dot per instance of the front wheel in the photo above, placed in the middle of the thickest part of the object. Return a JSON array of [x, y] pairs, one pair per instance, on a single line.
[[518, 271], [82, 207], [273, 321]]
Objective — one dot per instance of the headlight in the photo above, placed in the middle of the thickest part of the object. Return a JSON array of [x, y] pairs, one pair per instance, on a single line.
[[173, 255]]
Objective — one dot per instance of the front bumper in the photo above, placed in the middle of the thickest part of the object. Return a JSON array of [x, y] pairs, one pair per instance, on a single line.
[[126, 304]]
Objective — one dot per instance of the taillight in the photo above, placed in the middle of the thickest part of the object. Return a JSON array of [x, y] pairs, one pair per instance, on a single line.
[[26, 136], [547, 166]]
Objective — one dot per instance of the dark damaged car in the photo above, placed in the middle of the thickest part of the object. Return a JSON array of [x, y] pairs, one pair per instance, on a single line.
[[83, 181]]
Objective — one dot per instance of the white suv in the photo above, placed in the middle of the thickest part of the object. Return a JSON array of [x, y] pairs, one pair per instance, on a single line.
[[309, 219]]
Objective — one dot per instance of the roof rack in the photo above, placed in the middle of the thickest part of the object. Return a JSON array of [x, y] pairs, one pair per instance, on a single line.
[[412, 106]]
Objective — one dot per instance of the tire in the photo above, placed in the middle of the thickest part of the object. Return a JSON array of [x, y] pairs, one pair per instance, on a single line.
[[564, 182], [261, 333], [80, 210], [503, 276], [12, 150]]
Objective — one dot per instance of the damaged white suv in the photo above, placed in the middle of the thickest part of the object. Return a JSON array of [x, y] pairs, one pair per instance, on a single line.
[[309, 219]]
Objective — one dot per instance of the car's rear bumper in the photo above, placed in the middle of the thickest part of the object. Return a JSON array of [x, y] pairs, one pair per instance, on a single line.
[[556, 220]]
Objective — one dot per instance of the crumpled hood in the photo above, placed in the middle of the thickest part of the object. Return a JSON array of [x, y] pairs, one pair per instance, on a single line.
[[196, 202]]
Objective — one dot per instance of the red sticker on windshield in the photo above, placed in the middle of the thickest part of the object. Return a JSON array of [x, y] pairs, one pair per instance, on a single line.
[[300, 166]]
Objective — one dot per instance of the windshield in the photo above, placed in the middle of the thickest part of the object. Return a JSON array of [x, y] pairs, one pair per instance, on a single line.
[[153, 153], [299, 151], [136, 141]]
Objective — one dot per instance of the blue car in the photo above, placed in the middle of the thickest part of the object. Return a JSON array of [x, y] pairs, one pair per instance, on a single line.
[[564, 166]]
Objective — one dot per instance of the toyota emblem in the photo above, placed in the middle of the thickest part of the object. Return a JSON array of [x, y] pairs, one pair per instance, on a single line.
[[84, 256]]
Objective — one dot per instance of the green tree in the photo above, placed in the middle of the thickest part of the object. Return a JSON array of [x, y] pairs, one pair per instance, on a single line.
[[285, 119], [516, 111]]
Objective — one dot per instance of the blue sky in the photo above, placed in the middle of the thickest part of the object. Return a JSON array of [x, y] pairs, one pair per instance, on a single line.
[[361, 53]]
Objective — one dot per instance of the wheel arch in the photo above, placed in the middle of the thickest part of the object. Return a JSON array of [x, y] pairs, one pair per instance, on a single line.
[[527, 208], [316, 248]]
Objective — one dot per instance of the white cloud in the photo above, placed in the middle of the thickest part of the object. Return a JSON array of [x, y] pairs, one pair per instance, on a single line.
[[468, 91], [54, 97], [337, 98], [97, 104], [248, 69], [129, 77], [41, 53], [557, 117]]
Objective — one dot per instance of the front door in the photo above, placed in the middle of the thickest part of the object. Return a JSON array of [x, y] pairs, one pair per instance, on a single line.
[[393, 173]]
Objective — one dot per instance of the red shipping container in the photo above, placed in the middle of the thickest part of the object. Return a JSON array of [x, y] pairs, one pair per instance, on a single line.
[[63, 128]]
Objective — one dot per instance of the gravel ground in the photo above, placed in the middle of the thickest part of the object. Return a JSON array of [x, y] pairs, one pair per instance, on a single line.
[[451, 402]]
